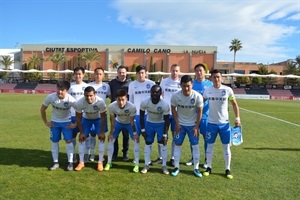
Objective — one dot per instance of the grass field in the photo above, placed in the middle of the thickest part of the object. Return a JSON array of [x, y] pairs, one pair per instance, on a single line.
[[265, 166]]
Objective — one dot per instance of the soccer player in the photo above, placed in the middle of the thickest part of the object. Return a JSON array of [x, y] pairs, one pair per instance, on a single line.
[[157, 123], [199, 85], [139, 90], [186, 108], [60, 122], [77, 91], [122, 114], [120, 82], [169, 86], [218, 120], [90, 112], [102, 91]]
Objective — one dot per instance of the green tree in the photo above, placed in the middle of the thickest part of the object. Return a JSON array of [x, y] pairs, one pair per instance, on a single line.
[[133, 76], [58, 57], [34, 63], [235, 46], [292, 68], [6, 61], [90, 57]]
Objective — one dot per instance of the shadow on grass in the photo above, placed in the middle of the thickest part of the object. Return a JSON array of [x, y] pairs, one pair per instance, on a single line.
[[276, 149], [28, 157]]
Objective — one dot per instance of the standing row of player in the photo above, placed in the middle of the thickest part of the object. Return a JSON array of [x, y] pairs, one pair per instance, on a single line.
[[146, 114]]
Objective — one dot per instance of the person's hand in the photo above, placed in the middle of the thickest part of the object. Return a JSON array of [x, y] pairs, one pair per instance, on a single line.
[[165, 139], [48, 124], [144, 134], [196, 131], [237, 121], [101, 137], [110, 137], [136, 138], [71, 126], [82, 137]]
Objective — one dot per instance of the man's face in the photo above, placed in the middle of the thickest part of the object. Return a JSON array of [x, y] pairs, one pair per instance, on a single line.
[[141, 75], [122, 73], [216, 79], [78, 75], [175, 70], [121, 101], [155, 94], [89, 97], [99, 74], [199, 73], [61, 93], [186, 88]]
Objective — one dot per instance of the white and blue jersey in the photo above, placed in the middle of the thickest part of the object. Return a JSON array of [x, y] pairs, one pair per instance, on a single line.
[[102, 89], [61, 117], [91, 114], [123, 116], [155, 121]]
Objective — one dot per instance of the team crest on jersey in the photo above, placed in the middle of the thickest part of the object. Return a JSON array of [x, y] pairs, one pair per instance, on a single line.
[[159, 108], [104, 87], [223, 93], [66, 104], [192, 101], [126, 111], [148, 86], [95, 107]]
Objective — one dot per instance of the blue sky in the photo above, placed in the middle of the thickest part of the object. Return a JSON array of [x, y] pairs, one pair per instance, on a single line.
[[268, 29]]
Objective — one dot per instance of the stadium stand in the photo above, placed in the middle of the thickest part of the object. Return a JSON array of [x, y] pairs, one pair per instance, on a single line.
[[279, 92], [239, 90], [46, 87], [258, 91], [26, 86], [7, 86], [295, 93]]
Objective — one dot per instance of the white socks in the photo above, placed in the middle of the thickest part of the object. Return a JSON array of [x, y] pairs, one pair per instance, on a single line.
[[209, 154], [227, 155], [136, 152], [196, 155], [101, 149], [147, 153], [177, 155], [164, 153], [55, 151], [110, 150], [70, 151]]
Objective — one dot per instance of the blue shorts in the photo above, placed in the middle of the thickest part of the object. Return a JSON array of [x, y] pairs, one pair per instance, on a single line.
[[151, 129], [213, 130], [178, 139], [203, 126], [120, 127], [138, 124], [93, 129], [57, 129], [91, 125], [74, 130]]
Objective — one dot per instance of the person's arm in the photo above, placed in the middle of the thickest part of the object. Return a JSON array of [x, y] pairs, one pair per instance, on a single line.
[[112, 126], [198, 119], [236, 112], [166, 128], [175, 117], [44, 115], [102, 126], [142, 122], [79, 125]]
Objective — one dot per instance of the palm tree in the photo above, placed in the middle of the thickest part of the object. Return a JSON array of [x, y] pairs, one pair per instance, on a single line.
[[57, 58], [90, 57], [236, 45], [6, 61], [34, 61]]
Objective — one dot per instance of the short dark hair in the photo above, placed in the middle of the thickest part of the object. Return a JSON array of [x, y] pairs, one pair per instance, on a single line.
[[76, 69], [99, 68], [89, 89], [139, 68], [122, 67], [63, 85], [186, 79], [215, 71], [121, 93], [201, 65], [155, 86]]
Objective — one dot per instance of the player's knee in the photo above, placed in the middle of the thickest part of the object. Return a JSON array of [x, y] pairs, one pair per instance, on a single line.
[[68, 141]]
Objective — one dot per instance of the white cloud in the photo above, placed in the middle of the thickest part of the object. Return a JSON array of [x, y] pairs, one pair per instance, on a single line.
[[215, 23]]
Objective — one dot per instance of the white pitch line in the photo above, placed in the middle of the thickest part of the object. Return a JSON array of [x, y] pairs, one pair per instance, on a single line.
[[271, 117]]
